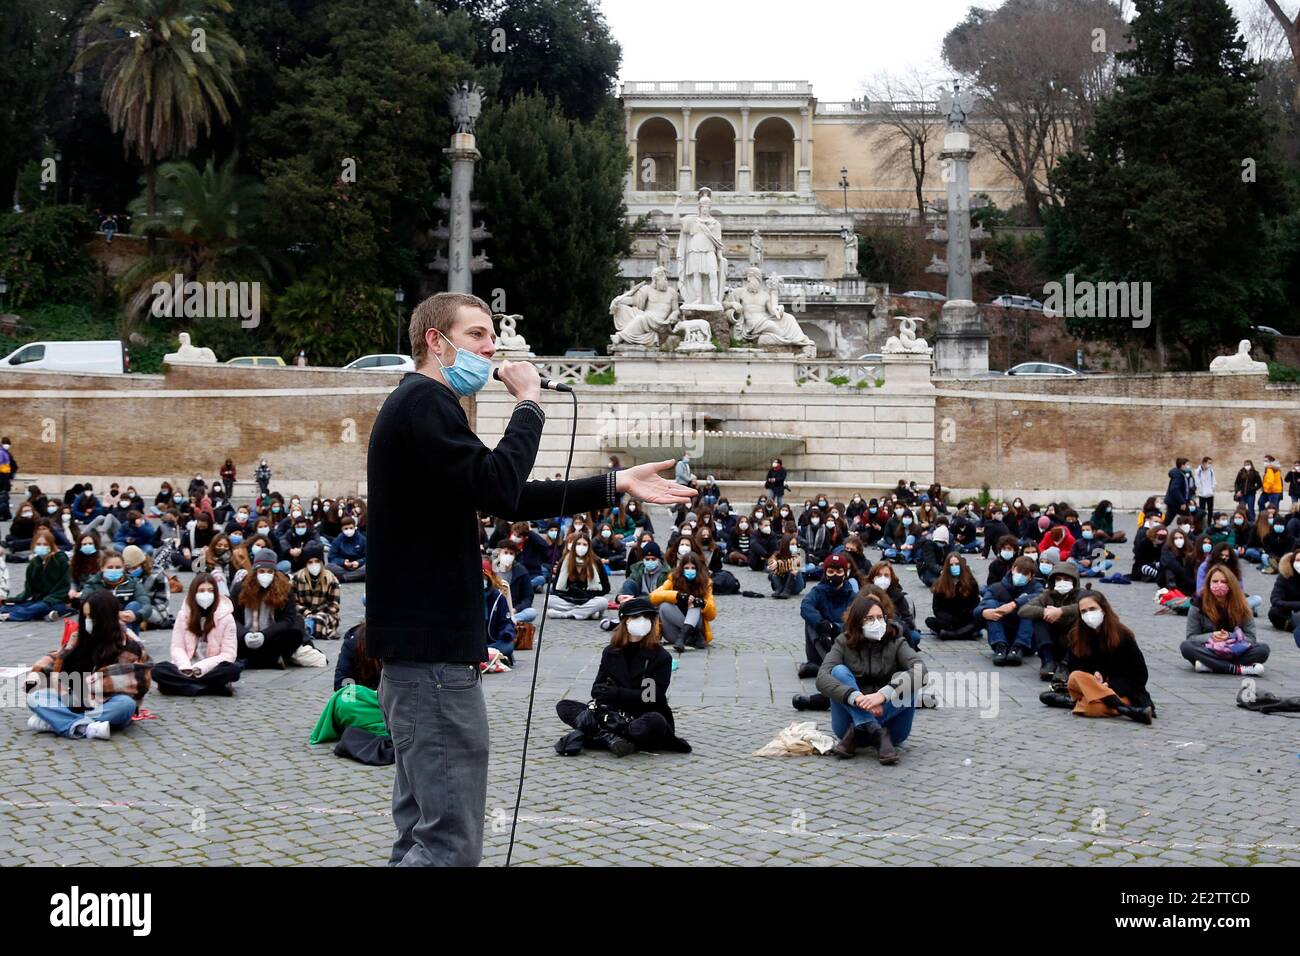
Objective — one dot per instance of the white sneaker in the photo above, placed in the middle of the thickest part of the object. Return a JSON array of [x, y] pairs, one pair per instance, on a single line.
[[1200, 668], [37, 725], [98, 730], [1252, 670], [308, 656], [52, 616]]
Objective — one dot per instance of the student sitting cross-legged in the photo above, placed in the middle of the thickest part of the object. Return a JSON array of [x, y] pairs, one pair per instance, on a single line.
[[204, 644], [868, 675]]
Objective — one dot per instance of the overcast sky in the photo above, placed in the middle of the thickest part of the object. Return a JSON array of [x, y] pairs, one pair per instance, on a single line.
[[837, 44]]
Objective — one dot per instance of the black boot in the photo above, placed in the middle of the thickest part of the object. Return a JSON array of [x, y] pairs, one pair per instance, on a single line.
[[618, 746], [808, 669], [690, 634], [999, 655], [1015, 656], [1055, 698], [1061, 674], [1046, 669], [885, 748], [846, 746], [1141, 714]]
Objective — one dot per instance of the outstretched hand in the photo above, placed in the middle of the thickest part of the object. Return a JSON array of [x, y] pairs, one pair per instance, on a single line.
[[644, 482]]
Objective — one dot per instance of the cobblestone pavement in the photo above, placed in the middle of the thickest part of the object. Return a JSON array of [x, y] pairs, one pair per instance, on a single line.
[[220, 781]]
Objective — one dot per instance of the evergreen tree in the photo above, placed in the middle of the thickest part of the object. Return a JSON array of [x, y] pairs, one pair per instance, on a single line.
[[1177, 185], [553, 194]]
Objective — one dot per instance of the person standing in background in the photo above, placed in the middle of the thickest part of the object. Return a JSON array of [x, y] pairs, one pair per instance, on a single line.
[[1203, 478], [8, 469], [1270, 492]]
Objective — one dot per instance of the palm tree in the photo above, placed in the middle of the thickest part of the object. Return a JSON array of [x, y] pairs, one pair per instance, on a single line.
[[206, 219], [165, 77]]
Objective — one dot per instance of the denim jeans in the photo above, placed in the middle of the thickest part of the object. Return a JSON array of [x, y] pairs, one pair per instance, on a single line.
[[897, 717], [539, 582], [526, 616], [439, 724], [998, 631], [50, 707], [33, 610]]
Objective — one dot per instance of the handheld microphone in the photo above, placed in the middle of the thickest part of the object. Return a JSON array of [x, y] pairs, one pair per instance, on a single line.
[[546, 382]]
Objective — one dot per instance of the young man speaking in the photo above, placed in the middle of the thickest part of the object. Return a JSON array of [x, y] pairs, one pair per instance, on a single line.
[[424, 603]]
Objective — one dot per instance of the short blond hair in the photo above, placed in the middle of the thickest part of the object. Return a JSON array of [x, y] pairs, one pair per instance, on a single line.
[[438, 312]]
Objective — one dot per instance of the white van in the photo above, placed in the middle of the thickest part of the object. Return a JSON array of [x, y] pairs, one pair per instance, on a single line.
[[106, 356]]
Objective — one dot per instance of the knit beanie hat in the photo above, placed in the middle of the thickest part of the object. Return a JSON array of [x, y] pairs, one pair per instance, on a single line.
[[264, 558], [132, 556], [1051, 556], [941, 534], [651, 550]]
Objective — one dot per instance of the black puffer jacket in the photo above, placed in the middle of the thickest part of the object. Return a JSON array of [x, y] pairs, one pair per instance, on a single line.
[[637, 673], [1124, 670]]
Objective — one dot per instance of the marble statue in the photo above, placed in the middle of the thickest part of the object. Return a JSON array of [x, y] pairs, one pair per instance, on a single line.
[[1239, 362], [188, 353], [663, 249], [509, 339], [956, 107], [759, 318], [701, 265], [697, 335], [756, 249], [465, 103], [850, 251], [644, 315], [906, 340]]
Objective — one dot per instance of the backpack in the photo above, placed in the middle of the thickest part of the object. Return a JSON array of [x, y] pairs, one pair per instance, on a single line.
[[724, 582], [1266, 703]]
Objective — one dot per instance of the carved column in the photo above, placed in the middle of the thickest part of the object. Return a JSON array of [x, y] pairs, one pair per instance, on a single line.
[[744, 180], [686, 172]]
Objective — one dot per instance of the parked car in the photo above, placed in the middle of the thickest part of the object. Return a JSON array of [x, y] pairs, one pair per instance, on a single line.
[[581, 353], [1043, 370], [384, 362], [922, 294], [93, 356], [874, 358], [1022, 302], [1265, 330], [261, 361]]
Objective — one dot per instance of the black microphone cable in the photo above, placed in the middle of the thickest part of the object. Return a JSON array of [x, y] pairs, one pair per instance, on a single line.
[[537, 648]]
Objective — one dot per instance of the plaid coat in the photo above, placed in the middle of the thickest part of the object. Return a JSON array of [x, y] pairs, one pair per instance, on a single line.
[[318, 597], [130, 673]]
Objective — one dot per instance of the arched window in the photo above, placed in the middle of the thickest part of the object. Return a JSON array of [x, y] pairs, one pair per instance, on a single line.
[[773, 156], [715, 155], [656, 156]]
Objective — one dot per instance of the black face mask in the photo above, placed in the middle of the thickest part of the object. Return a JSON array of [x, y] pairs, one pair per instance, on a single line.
[[835, 580]]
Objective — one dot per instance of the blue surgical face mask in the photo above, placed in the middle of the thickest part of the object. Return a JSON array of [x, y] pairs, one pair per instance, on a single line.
[[88, 549], [689, 574], [1087, 535], [954, 570], [1279, 528], [871, 510], [1045, 567], [112, 575], [907, 522], [136, 572], [1207, 547], [468, 374], [1019, 580], [41, 550], [236, 539], [650, 564], [1007, 555]]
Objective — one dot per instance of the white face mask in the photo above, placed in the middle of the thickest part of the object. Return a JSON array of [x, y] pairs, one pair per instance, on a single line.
[[683, 550], [1178, 542], [874, 629], [507, 560], [1093, 618], [1063, 587], [349, 532], [639, 627], [581, 550], [204, 599], [90, 626], [265, 578], [313, 568], [883, 582]]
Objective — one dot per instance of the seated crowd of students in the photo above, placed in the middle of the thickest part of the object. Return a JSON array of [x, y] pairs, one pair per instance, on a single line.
[[265, 590], [268, 575]]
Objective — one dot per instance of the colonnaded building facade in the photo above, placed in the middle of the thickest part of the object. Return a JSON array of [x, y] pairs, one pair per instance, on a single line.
[[776, 160]]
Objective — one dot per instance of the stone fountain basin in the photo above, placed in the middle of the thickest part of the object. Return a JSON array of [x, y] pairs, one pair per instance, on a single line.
[[711, 450]]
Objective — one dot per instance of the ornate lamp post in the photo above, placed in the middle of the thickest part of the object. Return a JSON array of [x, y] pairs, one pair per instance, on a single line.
[[844, 185]]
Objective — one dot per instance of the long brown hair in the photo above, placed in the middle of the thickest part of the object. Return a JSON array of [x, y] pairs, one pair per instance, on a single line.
[[250, 592], [201, 621], [620, 638], [365, 669], [1229, 612], [84, 565], [1085, 642], [857, 613], [589, 562], [963, 585], [43, 533], [702, 583], [880, 566]]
